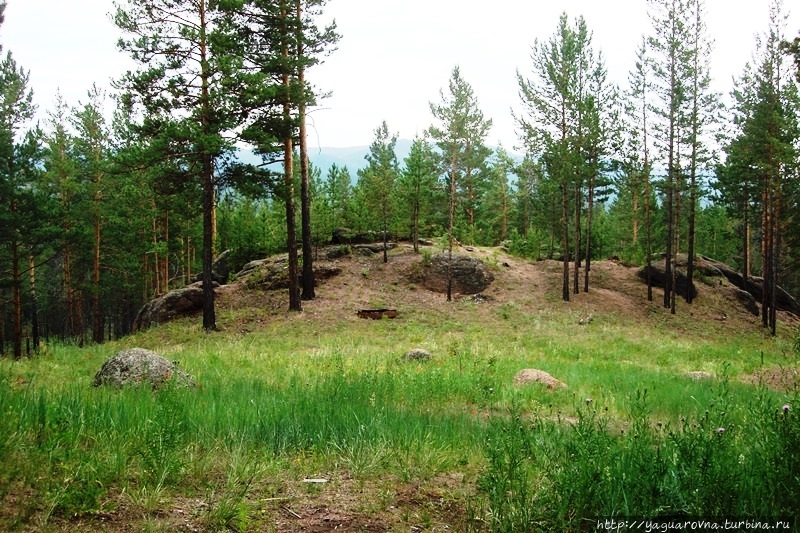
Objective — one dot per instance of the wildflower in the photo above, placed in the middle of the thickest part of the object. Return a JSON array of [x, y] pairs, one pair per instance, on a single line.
[[588, 401], [720, 431], [786, 408]]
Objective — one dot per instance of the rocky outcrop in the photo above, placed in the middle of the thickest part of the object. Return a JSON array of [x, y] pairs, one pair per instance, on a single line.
[[273, 273], [177, 303], [470, 274], [137, 366], [375, 248], [658, 277], [348, 236], [220, 269], [752, 286], [747, 301]]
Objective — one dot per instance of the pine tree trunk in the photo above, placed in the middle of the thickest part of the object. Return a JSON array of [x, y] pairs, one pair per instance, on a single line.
[[34, 306], [305, 196], [97, 316], [295, 303], [17, 336], [451, 222], [209, 313], [577, 258], [565, 241], [590, 209]]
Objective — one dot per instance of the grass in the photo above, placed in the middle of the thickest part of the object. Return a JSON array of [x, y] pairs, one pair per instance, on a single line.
[[338, 402]]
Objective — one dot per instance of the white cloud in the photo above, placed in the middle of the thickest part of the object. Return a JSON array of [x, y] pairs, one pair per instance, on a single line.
[[394, 57]]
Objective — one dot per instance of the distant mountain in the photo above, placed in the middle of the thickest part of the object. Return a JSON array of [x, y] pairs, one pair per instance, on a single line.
[[353, 157]]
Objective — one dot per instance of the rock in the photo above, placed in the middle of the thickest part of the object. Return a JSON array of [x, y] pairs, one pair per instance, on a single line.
[[747, 300], [418, 354], [136, 366], [425, 242], [335, 252], [375, 248], [348, 236], [470, 274], [699, 375], [755, 286], [177, 303], [273, 273], [220, 269], [531, 375], [658, 276], [477, 298]]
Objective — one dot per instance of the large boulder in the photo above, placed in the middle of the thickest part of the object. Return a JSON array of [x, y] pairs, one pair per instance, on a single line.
[[137, 366], [658, 277], [470, 274], [177, 303], [753, 285], [220, 269]]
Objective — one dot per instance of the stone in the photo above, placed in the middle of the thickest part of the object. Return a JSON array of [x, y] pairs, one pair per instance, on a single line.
[[220, 269], [175, 304], [374, 248], [747, 300], [470, 274], [273, 273], [658, 276], [418, 354], [699, 375], [336, 252], [532, 375], [136, 366]]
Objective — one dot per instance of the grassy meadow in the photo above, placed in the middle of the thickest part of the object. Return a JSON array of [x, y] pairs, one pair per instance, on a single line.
[[448, 443]]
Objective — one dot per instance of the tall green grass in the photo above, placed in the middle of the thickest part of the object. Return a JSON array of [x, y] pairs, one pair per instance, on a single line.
[[282, 404]]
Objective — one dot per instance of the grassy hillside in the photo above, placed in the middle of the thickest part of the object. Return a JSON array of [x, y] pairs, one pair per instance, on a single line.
[[315, 421]]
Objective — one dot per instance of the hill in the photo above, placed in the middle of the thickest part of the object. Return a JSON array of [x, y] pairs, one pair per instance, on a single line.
[[528, 287]]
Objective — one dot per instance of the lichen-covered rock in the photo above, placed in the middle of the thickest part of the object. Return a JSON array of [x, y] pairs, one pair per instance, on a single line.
[[273, 273], [136, 366], [177, 303], [532, 375], [470, 275], [748, 301], [418, 354]]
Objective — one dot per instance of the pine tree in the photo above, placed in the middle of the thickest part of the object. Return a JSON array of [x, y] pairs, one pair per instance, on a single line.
[[417, 184], [179, 86], [460, 136], [763, 154], [379, 179], [92, 146], [23, 213], [563, 122], [669, 60]]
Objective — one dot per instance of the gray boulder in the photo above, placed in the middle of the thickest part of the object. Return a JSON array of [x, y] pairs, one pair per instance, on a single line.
[[136, 366], [178, 303], [220, 269], [273, 273], [748, 301], [375, 248], [418, 354], [470, 274]]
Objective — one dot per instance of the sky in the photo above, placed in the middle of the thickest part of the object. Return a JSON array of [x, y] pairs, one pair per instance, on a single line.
[[395, 56]]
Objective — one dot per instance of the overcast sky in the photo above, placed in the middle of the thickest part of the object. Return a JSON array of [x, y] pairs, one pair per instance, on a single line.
[[394, 57]]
